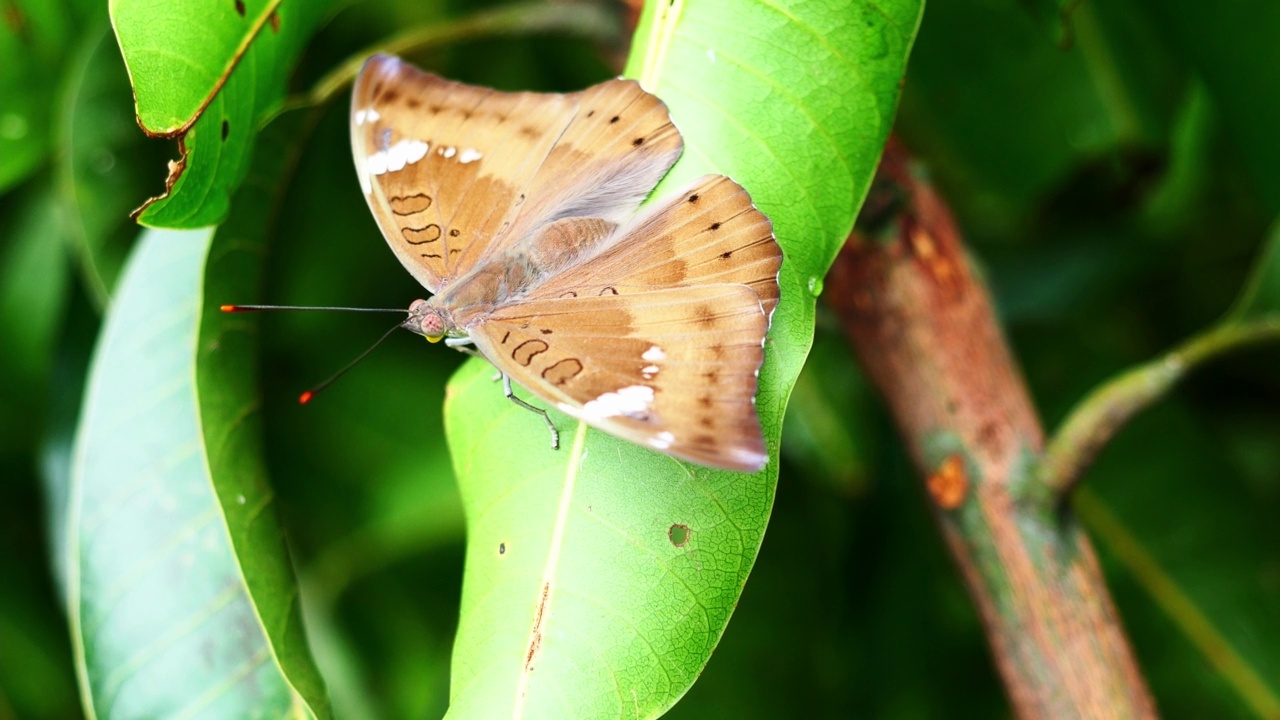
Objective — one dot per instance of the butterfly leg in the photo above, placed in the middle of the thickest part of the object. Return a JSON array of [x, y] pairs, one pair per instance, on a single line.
[[506, 390]]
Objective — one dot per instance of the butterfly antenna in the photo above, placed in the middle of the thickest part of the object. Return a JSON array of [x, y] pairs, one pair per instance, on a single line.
[[259, 308], [305, 397]]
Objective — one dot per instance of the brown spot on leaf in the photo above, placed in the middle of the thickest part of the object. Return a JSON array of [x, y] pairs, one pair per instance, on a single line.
[[274, 19], [226, 130], [240, 7]]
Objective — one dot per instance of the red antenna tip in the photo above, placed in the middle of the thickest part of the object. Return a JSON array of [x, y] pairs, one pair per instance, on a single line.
[[305, 397], [228, 308]]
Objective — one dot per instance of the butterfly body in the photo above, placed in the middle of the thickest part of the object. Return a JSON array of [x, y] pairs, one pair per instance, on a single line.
[[516, 211]]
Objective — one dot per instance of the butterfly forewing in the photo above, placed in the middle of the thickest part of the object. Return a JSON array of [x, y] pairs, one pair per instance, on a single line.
[[673, 369], [619, 145], [446, 166]]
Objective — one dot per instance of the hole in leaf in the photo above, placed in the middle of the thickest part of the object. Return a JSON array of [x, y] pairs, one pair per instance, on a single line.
[[679, 534]]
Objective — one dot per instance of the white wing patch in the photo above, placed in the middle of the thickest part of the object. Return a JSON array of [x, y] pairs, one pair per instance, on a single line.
[[632, 402]]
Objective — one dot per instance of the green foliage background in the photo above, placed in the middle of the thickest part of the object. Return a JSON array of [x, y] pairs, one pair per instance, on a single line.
[[1116, 191]]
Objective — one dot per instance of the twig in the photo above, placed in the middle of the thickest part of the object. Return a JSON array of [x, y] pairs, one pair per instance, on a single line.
[[1102, 414]]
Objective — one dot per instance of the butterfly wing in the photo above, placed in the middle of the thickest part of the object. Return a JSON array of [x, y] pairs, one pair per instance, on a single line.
[[456, 173], [618, 146], [671, 369], [444, 165], [658, 338], [707, 233]]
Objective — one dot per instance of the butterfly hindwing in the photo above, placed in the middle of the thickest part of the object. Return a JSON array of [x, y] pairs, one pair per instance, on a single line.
[[707, 233], [672, 369]]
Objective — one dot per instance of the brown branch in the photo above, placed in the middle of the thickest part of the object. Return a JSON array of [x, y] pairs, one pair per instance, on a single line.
[[923, 327]]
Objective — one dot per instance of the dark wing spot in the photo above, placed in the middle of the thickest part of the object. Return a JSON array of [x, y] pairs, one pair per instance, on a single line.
[[614, 119], [726, 254], [430, 255], [454, 252], [693, 198], [226, 130], [413, 103], [409, 204], [545, 331], [525, 352], [712, 376], [563, 371], [590, 113], [706, 421], [638, 142], [435, 109], [454, 233], [704, 439], [714, 226], [504, 337], [569, 294], [705, 401], [608, 290], [421, 235], [391, 96], [705, 315]]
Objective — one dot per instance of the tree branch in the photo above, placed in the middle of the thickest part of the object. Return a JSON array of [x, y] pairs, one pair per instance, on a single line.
[[921, 322]]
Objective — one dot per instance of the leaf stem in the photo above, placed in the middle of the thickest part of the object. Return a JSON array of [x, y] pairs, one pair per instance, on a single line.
[[588, 19], [1101, 415]]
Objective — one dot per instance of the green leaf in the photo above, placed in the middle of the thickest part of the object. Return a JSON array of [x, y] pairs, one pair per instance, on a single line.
[[182, 596], [102, 157], [34, 279], [208, 75], [600, 577], [31, 37], [1227, 44], [1261, 297]]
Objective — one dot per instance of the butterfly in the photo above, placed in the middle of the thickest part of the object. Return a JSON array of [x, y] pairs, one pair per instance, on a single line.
[[518, 212]]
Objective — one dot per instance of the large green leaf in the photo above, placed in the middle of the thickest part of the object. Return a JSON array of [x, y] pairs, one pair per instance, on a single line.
[[209, 73], [102, 158], [182, 596], [601, 576]]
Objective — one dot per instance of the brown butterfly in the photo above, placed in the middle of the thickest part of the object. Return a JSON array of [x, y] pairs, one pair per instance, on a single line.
[[515, 211]]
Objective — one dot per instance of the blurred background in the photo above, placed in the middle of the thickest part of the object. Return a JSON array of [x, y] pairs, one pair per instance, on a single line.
[[1116, 174]]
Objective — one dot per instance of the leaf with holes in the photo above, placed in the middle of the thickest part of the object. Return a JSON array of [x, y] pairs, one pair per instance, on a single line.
[[600, 577], [208, 73]]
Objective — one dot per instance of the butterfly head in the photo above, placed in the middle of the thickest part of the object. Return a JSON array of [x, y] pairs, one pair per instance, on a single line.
[[427, 320]]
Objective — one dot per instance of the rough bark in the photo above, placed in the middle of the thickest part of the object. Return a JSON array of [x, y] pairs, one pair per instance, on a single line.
[[922, 324]]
